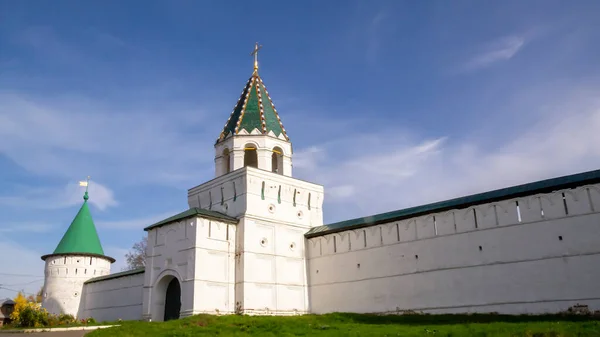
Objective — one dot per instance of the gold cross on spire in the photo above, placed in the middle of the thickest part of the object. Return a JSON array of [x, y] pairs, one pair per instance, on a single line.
[[255, 54]]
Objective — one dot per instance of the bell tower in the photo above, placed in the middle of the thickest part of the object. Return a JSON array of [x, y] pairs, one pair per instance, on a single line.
[[254, 135], [263, 260]]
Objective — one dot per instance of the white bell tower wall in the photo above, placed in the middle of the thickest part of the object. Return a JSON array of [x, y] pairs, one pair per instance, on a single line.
[[275, 212], [267, 153]]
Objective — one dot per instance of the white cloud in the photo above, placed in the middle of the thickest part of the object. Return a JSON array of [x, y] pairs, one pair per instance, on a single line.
[[54, 198], [374, 33], [73, 136], [501, 49], [388, 171]]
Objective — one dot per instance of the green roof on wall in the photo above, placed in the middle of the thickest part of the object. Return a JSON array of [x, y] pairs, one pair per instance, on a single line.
[[543, 186], [194, 211]]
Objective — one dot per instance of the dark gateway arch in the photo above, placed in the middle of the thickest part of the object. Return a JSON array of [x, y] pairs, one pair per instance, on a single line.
[[172, 300]]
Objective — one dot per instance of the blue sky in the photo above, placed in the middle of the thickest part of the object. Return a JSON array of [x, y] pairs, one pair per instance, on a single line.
[[389, 104]]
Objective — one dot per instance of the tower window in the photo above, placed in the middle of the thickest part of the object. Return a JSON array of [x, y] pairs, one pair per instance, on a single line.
[[226, 161], [277, 160], [250, 156]]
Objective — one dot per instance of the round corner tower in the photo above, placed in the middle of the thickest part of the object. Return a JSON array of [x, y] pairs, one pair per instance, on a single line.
[[77, 258]]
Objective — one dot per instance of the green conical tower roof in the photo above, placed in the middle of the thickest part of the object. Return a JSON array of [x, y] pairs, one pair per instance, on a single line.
[[81, 236], [254, 111]]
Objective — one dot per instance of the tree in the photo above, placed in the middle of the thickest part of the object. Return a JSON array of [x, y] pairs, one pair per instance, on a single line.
[[20, 304], [136, 258], [37, 298]]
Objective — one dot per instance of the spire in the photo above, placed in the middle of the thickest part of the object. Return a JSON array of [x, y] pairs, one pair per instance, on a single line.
[[254, 111], [255, 54], [81, 237]]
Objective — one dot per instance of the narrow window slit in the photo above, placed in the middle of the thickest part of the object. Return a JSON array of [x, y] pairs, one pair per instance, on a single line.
[[435, 226], [564, 199], [454, 221], [209, 228], [365, 237], [397, 232], [234, 192], [222, 196], [518, 211], [496, 215], [309, 201], [475, 218], [294, 199], [262, 191], [279, 195], [334, 244]]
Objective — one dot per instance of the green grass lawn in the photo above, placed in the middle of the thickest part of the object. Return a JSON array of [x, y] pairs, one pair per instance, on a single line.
[[343, 324]]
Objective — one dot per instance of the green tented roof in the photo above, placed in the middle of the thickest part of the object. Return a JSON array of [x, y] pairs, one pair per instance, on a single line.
[[81, 236], [195, 211], [543, 186], [254, 111]]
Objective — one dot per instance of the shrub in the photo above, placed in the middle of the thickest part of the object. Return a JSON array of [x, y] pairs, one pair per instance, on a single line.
[[65, 319], [32, 316], [20, 303]]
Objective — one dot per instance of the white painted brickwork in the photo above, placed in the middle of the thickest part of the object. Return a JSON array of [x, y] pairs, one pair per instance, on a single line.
[[545, 262]]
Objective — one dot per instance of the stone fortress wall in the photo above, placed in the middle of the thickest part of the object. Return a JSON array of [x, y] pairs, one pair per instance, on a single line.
[[65, 276], [274, 211], [200, 254], [118, 296], [532, 254]]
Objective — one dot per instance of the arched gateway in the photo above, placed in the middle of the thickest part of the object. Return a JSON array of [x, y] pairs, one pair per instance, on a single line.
[[172, 300]]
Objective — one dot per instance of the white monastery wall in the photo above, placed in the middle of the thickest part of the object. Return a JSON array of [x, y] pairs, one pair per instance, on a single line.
[[280, 210], [262, 193], [527, 255], [64, 278], [272, 271], [200, 254], [214, 279], [275, 212], [113, 299]]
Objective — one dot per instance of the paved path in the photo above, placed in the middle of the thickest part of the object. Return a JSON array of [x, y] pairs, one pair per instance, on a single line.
[[78, 333]]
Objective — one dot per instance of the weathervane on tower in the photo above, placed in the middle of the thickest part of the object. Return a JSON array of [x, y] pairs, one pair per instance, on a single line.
[[255, 54], [86, 184]]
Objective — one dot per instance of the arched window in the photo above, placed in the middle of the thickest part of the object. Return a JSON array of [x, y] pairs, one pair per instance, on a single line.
[[277, 160], [226, 161], [250, 156]]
